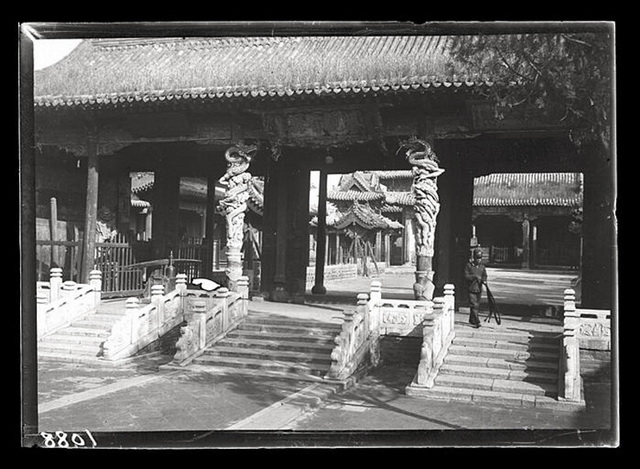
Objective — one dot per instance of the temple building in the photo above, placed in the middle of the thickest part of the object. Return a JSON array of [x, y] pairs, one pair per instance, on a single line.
[[227, 109], [519, 220], [529, 220]]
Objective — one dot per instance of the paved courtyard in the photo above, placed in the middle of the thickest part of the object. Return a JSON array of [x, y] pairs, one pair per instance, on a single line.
[[141, 403]]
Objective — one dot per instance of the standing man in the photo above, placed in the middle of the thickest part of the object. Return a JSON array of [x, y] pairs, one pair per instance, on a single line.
[[475, 274]]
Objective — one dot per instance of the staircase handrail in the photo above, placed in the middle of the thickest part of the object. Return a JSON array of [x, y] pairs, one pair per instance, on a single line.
[[569, 378], [142, 325], [209, 317], [438, 332], [63, 302], [356, 345]]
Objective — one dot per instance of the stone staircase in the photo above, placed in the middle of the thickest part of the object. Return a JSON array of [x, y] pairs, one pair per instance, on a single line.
[[508, 364], [275, 346], [82, 339]]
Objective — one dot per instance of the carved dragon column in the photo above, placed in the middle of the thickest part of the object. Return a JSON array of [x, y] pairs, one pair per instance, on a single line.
[[426, 206], [234, 205]]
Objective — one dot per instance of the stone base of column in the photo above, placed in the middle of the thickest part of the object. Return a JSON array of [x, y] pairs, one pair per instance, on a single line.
[[279, 294], [423, 288], [319, 290]]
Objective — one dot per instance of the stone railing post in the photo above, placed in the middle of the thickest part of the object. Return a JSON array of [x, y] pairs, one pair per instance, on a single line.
[[570, 353], [375, 299], [363, 306], [95, 281], [450, 296], [243, 291], [427, 357], [68, 288], [438, 313], [157, 293], [42, 298], [376, 290], [55, 283], [132, 306], [181, 283], [224, 294], [450, 308]]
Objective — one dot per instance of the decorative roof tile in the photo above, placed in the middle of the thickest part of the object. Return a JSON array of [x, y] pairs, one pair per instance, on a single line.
[[395, 174], [528, 189], [125, 71], [364, 216], [361, 196]]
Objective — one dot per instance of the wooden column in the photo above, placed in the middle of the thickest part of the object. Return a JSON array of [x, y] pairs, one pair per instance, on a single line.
[[91, 211], [27, 216], [166, 211], [148, 224], [321, 243], [209, 226], [387, 248], [297, 233], [534, 244], [526, 233], [53, 230], [269, 230], [279, 292], [409, 243], [599, 233]]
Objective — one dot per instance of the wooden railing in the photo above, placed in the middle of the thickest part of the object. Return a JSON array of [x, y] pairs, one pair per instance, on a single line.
[[59, 254], [144, 324], [112, 259], [209, 317], [59, 303]]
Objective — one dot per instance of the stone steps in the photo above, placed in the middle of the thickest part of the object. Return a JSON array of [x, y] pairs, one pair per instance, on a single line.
[[262, 364], [506, 366], [68, 348], [501, 363], [274, 346], [285, 344], [82, 339]]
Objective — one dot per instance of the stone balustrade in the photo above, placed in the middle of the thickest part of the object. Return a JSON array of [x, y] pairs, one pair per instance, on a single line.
[[58, 303], [438, 333], [144, 324], [569, 379], [357, 345], [209, 317], [594, 332]]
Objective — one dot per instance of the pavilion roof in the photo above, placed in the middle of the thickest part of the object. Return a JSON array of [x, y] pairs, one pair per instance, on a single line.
[[493, 190], [195, 188], [364, 216], [119, 72]]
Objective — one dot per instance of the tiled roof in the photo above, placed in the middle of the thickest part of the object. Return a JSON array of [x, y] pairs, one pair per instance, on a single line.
[[121, 72], [528, 189], [395, 174], [364, 216], [399, 198], [142, 181], [354, 195]]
